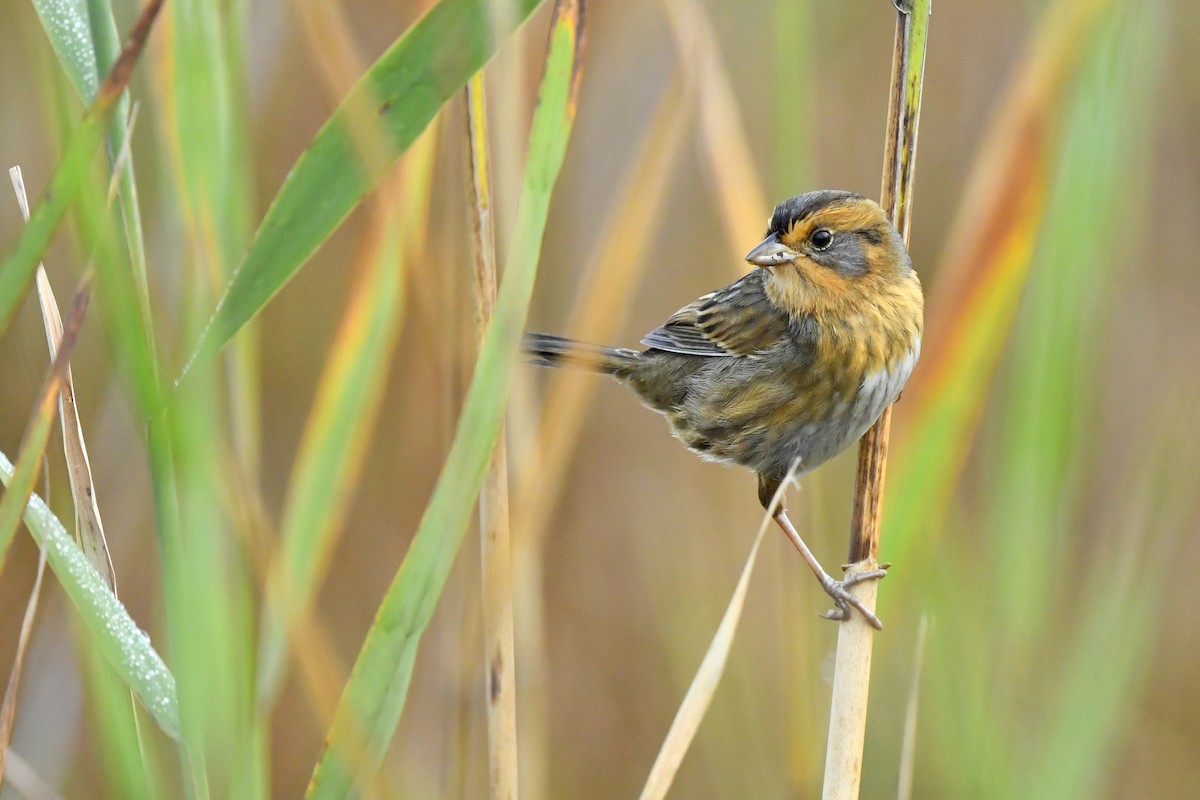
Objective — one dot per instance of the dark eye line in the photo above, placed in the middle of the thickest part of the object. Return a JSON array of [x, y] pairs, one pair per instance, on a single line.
[[871, 235]]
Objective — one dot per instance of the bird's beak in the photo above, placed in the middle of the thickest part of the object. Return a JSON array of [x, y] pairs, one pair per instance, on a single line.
[[771, 251]]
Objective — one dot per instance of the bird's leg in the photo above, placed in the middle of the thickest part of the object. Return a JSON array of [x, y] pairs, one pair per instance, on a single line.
[[838, 590]]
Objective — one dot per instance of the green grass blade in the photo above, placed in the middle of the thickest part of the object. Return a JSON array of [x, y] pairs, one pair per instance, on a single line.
[[374, 697], [130, 761], [212, 643], [69, 31], [16, 272], [403, 90], [113, 632], [1041, 446]]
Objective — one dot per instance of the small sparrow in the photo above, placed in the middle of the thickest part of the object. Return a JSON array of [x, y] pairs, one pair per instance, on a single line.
[[789, 365]]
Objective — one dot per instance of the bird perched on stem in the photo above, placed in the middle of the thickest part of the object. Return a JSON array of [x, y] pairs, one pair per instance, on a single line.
[[789, 365]]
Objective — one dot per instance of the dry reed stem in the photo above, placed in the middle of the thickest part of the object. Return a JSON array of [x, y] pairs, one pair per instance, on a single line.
[[848, 711], [494, 532]]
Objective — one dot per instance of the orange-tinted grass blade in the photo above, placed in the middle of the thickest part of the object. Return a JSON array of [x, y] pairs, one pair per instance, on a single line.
[[343, 416], [374, 698], [985, 263], [1011, 160]]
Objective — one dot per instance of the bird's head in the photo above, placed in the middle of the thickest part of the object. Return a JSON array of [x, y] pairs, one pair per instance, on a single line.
[[829, 248]]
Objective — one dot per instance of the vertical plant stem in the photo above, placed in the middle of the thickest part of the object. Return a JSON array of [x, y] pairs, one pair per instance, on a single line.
[[496, 562], [852, 671]]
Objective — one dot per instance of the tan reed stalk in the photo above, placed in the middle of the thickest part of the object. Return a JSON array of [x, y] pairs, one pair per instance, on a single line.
[[496, 561], [852, 671]]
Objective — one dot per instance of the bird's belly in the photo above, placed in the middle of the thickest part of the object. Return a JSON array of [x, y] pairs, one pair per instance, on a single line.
[[794, 429]]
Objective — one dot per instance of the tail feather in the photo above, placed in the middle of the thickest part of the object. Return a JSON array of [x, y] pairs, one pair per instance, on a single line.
[[547, 350]]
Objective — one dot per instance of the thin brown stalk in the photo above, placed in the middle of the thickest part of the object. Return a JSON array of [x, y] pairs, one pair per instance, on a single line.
[[848, 711], [37, 431], [496, 560]]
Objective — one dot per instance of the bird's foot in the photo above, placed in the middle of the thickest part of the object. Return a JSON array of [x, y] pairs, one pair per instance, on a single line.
[[839, 591]]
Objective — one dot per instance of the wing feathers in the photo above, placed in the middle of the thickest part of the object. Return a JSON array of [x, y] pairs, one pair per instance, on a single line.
[[737, 321]]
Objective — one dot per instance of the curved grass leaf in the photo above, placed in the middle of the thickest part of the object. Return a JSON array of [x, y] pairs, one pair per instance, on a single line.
[[374, 697], [112, 630], [378, 120], [68, 28]]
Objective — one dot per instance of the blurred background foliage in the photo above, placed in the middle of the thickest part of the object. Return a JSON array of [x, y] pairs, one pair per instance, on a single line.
[[1042, 491]]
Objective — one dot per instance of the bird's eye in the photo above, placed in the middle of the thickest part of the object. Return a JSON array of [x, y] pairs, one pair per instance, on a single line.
[[821, 238]]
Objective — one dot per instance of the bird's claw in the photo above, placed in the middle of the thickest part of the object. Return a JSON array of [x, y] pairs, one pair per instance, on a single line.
[[839, 591]]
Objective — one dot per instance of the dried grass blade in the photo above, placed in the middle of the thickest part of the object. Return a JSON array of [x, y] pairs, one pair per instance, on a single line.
[[699, 695], [113, 632], [727, 148], [37, 433], [8, 712], [613, 275], [22, 777], [90, 528]]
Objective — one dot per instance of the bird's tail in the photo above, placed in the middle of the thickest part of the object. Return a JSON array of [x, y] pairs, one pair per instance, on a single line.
[[546, 350]]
